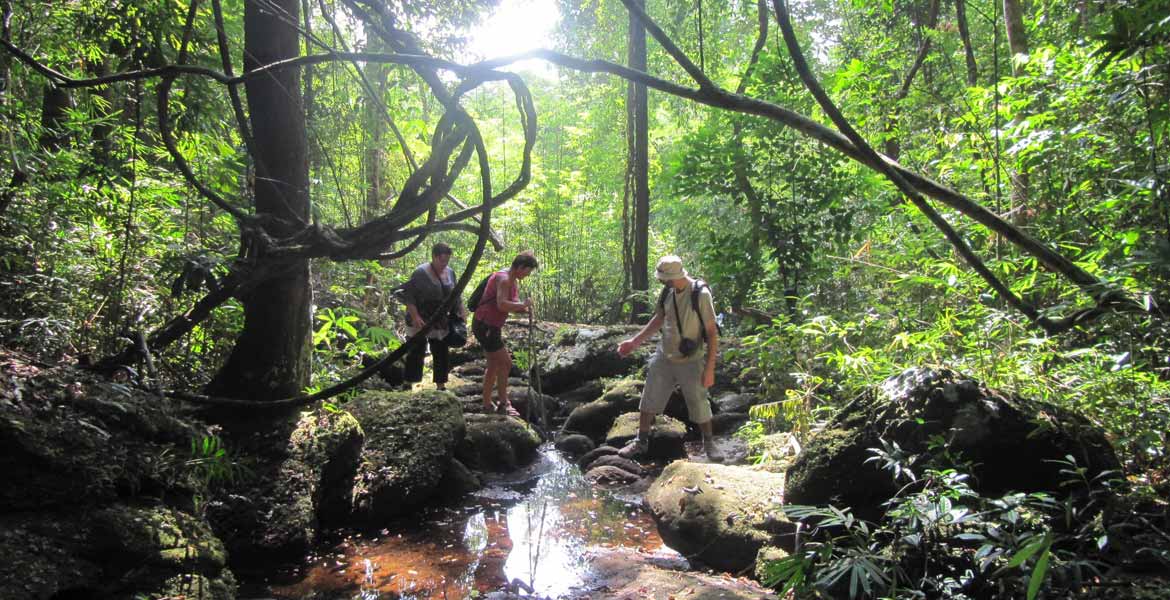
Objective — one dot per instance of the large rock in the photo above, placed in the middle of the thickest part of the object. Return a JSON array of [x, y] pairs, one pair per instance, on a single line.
[[518, 397], [303, 468], [99, 491], [624, 574], [84, 440], [120, 551], [595, 418], [410, 440], [574, 444], [586, 392], [1009, 441], [719, 514], [666, 435], [733, 402], [497, 443], [580, 354], [458, 481]]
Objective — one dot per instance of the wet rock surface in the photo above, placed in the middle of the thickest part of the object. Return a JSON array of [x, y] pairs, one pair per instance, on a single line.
[[574, 445], [721, 515], [622, 574]]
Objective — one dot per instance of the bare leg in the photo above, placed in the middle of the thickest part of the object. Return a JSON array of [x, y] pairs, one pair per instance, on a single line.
[[503, 370], [489, 379]]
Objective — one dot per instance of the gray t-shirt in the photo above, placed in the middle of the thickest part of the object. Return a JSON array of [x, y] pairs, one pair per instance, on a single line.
[[669, 340], [425, 291]]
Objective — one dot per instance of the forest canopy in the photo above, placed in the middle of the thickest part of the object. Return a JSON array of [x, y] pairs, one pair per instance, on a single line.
[[236, 188]]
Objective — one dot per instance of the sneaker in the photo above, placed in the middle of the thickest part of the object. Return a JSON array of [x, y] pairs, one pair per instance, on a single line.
[[636, 447], [714, 454]]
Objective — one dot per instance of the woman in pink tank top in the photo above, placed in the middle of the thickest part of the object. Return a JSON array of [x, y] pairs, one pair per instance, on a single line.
[[501, 296]]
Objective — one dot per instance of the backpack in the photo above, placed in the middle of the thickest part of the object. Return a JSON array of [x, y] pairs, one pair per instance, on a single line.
[[698, 287], [476, 297]]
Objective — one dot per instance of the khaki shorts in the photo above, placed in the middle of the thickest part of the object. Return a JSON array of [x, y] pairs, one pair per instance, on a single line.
[[662, 376]]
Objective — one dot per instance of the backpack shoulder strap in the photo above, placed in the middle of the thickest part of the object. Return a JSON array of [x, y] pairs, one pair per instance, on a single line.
[[695, 291], [662, 298]]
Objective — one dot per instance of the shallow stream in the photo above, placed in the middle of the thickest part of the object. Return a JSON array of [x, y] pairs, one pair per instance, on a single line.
[[531, 532]]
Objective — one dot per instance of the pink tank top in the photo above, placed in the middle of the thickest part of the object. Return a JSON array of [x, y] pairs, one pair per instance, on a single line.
[[488, 311]]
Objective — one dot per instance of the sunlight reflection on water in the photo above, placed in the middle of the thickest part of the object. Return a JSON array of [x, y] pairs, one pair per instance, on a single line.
[[534, 528]]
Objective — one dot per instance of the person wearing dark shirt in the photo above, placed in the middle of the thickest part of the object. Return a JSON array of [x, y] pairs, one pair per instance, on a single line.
[[424, 293]]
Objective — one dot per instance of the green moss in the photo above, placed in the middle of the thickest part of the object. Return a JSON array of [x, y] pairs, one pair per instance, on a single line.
[[626, 426], [623, 389], [410, 437], [159, 535], [565, 336]]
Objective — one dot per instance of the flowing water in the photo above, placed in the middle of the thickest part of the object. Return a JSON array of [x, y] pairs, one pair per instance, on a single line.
[[531, 532]]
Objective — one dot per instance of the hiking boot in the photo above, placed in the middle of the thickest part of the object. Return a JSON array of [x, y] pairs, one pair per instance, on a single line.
[[636, 447], [714, 454]]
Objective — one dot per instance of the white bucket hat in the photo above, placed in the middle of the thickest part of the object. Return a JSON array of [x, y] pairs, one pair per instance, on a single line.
[[669, 268]]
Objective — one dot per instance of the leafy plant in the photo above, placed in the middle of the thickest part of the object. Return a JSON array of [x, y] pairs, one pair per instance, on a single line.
[[940, 538], [211, 464]]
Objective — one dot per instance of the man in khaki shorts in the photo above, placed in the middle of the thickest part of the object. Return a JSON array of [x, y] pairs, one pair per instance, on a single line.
[[681, 359]]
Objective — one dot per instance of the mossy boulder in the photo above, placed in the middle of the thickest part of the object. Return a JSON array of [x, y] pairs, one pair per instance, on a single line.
[[99, 494], [410, 440], [666, 435], [119, 551], [1011, 442], [329, 443], [595, 418], [722, 515], [584, 353], [497, 443], [303, 472], [85, 441]]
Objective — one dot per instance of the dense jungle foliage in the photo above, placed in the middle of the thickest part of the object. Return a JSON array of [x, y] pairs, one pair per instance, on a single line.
[[1058, 123]]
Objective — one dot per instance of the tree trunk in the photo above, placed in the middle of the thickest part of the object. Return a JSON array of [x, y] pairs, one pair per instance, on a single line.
[[1013, 18], [375, 127], [18, 177], [54, 105], [271, 356], [640, 161], [965, 35], [892, 148]]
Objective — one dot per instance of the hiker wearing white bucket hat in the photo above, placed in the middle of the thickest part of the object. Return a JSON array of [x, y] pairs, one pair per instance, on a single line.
[[685, 313]]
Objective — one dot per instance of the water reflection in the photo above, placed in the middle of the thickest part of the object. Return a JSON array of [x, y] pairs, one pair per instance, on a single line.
[[530, 533]]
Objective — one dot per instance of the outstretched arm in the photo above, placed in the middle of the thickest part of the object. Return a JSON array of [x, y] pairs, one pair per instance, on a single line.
[[650, 329]]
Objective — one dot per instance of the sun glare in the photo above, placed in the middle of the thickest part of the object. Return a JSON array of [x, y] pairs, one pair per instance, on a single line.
[[515, 26]]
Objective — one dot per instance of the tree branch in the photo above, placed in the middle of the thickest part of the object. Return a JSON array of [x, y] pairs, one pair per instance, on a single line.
[[900, 182]]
